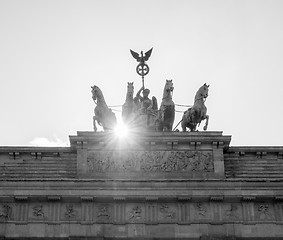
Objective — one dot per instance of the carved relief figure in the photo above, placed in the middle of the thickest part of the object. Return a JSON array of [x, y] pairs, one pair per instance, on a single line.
[[103, 212], [38, 211], [6, 212], [194, 115], [263, 211], [70, 211], [232, 212], [102, 114], [166, 113], [135, 214], [167, 213], [201, 209]]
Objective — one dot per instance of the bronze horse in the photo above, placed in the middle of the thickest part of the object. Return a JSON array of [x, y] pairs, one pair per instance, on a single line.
[[194, 115], [166, 113], [102, 114], [129, 107]]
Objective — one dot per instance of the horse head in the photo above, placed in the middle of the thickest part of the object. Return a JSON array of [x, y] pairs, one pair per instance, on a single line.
[[203, 91], [94, 91], [168, 89], [169, 86], [130, 89], [97, 93]]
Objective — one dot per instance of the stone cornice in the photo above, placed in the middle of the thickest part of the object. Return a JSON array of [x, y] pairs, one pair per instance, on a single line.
[[254, 149], [100, 139]]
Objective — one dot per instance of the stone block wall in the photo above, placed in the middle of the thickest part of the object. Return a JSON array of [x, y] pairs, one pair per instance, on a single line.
[[254, 163], [37, 163]]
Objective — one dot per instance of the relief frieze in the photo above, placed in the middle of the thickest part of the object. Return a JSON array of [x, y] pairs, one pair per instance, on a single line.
[[232, 212], [137, 212], [70, 212], [103, 213], [5, 212], [167, 212], [150, 161], [38, 211], [264, 212], [201, 210]]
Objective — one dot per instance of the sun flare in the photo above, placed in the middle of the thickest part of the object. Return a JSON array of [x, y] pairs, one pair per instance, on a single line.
[[121, 130]]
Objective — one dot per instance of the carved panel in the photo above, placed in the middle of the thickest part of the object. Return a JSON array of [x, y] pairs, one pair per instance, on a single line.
[[135, 213], [232, 212], [167, 212], [103, 213], [6, 211], [201, 212], [38, 211], [150, 161], [264, 212], [70, 212]]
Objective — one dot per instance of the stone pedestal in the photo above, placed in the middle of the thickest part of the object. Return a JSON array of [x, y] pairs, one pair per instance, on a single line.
[[150, 155]]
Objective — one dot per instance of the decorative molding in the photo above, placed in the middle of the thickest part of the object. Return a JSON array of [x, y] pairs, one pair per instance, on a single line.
[[54, 198], [117, 198], [87, 199], [184, 198], [248, 198], [151, 199], [21, 198], [278, 198], [218, 198]]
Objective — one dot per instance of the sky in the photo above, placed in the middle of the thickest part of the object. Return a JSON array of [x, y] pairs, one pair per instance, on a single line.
[[52, 51]]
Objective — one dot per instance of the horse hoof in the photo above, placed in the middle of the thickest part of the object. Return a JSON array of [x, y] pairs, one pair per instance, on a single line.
[[204, 128]]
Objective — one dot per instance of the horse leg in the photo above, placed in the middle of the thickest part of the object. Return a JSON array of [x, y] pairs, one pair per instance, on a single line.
[[94, 125], [206, 122], [183, 125]]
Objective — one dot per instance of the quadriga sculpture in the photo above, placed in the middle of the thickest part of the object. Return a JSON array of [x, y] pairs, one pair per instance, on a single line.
[[166, 113], [102, 114], [197, 112]]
